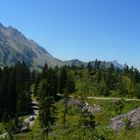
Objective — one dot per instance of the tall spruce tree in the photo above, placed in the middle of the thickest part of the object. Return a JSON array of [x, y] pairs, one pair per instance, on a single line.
[[46, 107]]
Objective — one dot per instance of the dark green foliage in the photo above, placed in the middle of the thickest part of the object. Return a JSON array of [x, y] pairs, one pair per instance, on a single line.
[[89, 65], [87, 119], [53, 81], [45, 71], [47, 112], [47, 93], [63, 79], [137, 90], [14, 91], [97, 64]]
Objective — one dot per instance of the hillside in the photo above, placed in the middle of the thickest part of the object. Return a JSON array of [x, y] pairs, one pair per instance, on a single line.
[[14, 47]]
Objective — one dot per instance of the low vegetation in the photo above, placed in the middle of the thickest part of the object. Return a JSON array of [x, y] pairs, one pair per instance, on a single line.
[[74, 128]]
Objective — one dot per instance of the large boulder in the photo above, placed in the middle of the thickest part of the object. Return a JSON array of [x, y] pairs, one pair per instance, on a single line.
[[84, 106], [130, 120]]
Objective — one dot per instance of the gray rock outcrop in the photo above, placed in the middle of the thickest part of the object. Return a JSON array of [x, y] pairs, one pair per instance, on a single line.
[[84, 106], [130, 120]]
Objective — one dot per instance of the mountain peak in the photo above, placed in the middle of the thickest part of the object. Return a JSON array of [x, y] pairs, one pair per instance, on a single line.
[[76, 60], [11, 28], [115, 61], [116, 64], [15, 47], [1, 26]]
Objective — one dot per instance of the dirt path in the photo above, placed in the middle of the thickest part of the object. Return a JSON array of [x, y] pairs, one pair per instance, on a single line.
[[111, 98]]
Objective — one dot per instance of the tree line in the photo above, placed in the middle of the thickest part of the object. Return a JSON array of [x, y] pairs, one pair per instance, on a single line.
[[15, 98], [108, 81]]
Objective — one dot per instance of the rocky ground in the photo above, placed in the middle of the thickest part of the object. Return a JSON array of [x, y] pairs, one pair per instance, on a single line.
[[129, 120]]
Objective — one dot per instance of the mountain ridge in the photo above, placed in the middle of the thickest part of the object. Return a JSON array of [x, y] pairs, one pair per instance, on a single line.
[[15, 47]]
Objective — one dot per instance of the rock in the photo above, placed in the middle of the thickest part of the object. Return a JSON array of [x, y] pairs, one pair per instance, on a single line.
[[84, 106], [118, 122], [134, 117], [117, 102], [131, 120]]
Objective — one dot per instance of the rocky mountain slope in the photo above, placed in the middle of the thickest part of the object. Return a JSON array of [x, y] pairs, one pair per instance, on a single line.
[[15, 47]]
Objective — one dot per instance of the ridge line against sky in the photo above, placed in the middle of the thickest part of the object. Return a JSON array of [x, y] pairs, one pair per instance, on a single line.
[[83, 29]]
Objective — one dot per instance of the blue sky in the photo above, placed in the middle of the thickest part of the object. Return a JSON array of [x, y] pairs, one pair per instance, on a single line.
[[83, 29]]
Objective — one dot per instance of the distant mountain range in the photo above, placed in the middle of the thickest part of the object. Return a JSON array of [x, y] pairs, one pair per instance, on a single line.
[[116, 64], [15, 47]]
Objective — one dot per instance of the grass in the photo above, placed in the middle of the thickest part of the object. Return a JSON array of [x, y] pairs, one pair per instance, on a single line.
[[109, 110], [2, 128], [74, 131], [102, 119]]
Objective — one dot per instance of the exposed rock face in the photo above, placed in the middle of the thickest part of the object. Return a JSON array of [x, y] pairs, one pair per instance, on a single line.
[[15, 47], [84, 106], [131, 120]]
